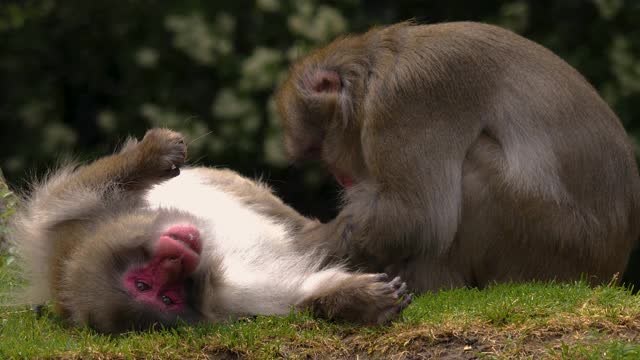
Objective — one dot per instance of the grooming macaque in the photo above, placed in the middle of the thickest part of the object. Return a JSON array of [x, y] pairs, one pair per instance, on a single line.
[[124, 243], [468, 154]]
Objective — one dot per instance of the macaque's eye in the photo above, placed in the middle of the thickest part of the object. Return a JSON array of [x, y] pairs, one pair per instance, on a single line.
[[166, 300], [142, 286]]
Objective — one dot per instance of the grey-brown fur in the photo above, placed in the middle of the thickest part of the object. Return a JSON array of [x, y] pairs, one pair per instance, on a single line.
[[478, 156], [83, 228]]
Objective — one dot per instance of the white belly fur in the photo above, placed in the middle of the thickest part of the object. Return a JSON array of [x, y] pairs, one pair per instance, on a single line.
[[263, 274]]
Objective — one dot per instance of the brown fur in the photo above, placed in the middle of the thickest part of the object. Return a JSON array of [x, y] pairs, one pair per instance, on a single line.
[[478, 156]]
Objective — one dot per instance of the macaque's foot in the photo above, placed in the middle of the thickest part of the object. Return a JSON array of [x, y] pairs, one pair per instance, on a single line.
[[364, 298], [158, 156], [388, 297]]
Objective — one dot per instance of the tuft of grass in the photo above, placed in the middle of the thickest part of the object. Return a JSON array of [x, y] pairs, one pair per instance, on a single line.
[[596, 350], [7, 208]]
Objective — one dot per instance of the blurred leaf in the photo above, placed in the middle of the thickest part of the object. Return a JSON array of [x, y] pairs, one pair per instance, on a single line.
[[259, 71], [515, 16], [609, 8], [269, 5], [317, 23], [199, 40]]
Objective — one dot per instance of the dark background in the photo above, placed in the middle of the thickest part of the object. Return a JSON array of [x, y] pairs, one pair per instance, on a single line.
[[77, 76]]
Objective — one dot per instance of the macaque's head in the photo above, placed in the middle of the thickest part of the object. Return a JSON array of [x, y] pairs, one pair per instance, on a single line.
[[320, 107], [136, 271]]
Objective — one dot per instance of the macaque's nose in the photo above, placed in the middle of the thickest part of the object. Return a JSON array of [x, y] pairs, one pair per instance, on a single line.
[[176, 257], [172, 267]]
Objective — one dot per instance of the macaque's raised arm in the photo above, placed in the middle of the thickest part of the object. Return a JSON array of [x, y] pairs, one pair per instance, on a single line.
[[74, 193], [136, 167]]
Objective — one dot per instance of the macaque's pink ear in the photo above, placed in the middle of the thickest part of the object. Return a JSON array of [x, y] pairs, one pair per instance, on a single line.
[[323, 81]]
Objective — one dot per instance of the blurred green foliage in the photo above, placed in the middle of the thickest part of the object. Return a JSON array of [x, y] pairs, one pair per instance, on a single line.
[[79, 75]]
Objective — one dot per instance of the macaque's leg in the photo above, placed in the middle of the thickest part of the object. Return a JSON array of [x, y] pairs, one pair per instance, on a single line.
[[391, 217], [360, 298], [431, 273]]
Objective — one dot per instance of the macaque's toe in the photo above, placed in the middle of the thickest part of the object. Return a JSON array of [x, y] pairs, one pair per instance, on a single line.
[[394, 298]]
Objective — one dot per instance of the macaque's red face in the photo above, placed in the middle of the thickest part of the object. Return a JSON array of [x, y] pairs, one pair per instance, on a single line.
[[161, 281]]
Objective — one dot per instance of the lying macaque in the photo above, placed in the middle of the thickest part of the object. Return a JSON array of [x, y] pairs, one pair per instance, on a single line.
[[127, 243]]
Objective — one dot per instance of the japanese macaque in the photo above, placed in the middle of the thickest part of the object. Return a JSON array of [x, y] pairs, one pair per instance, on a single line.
[[125, 243], [468, 155]]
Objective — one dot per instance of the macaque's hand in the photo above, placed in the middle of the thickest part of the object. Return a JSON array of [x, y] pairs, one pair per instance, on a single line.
[[162, 152]]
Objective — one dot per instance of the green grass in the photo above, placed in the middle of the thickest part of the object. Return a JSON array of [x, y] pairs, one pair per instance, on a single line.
[[535, 320]]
